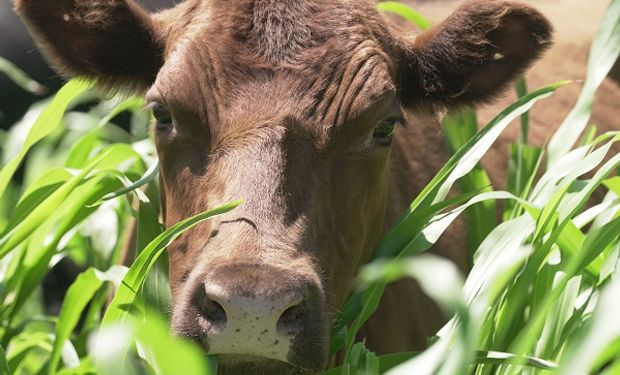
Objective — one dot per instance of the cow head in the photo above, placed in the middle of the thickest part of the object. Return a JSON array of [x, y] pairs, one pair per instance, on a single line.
[[290, 105]]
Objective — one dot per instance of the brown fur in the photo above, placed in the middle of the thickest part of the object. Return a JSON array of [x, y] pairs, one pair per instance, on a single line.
[[275, 102], [111, 42], [454, 67]]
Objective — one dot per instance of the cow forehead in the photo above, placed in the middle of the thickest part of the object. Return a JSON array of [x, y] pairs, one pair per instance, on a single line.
[[295, 54], [275, 32], [279, 30]]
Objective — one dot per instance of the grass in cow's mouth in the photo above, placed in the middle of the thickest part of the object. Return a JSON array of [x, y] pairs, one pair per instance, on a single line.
[[543, 295]]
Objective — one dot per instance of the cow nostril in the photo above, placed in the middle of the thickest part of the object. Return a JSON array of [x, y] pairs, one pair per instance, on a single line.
[[212, 314], [292, 320], [215, 313]]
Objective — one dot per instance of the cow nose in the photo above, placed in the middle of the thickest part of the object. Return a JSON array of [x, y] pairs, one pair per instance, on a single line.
[[236, 322], [255, 315]]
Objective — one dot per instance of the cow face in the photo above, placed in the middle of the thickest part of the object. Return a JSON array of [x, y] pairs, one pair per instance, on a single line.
[[290, 105]]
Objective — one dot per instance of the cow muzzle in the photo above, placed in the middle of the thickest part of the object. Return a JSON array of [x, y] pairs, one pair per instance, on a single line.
[[255, 312]]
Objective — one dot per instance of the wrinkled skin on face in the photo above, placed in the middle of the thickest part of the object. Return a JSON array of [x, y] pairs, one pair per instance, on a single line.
[[291, 106]]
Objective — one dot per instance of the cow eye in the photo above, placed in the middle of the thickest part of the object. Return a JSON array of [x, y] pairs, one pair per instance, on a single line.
[[162, 116], [384, 132]]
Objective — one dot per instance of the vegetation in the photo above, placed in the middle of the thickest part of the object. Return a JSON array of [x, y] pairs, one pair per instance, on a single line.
[[543, 295]]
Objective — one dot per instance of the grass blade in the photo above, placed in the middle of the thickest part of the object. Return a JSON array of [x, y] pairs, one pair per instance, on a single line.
[[458, 165], [47, 122], [603, 328], [4, 365], [603, 54], [124, 300], [165, 352], [406, 12], [78, 296], [20, 78]]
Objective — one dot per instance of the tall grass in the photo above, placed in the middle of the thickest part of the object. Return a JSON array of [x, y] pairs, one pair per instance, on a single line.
[[543, 295]]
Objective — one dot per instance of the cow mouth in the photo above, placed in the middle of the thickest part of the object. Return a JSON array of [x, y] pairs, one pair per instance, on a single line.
[[236, 364], [241, 364]]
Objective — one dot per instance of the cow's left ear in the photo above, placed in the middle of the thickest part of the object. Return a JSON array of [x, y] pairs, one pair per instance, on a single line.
[[473, 54], [113, 42]]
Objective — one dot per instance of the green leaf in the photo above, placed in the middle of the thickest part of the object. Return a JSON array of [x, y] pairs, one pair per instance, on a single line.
[[109, 158], [458, 128], [4, 365], [470, 154], [26, 343], [595, 243], [495, 357], [81, 150], [521, 89], [36, 193], [613, 184], [603, 328], [124, 300], [149, 176], [406, 12], [75, 301], [457, 166], [603, 55], [446, 290], [41, 212], [522, 167], [47, 122], [164, 352], [157, 287], [20, 78], [42, 246]]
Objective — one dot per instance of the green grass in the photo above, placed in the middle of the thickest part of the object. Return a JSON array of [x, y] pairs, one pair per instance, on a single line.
[[543, 295]]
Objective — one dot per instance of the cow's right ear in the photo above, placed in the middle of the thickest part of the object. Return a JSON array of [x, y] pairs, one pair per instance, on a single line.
[[113, 42]]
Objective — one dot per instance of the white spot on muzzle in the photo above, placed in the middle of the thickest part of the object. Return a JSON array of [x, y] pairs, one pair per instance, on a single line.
[[251, 325]]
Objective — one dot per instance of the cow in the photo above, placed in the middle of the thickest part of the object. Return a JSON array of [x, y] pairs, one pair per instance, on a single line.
[[293, 106]]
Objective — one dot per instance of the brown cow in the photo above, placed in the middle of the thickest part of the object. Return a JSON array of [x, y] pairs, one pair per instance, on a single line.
[[291, 105]]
